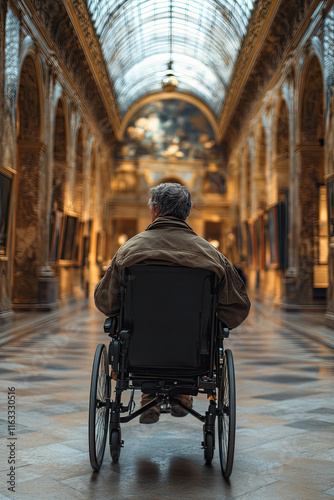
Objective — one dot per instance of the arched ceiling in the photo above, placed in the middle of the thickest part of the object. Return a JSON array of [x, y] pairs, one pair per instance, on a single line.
[[201, 37]]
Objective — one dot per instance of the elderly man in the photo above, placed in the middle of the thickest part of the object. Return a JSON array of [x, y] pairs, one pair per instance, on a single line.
[[169, 239]]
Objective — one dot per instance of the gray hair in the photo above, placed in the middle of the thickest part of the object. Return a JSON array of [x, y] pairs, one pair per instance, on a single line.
[[171, 199]]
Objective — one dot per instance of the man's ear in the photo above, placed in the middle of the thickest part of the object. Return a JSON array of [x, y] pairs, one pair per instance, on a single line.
[[156, 211]]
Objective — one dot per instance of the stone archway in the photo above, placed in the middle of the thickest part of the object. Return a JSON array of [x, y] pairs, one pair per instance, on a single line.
[[29, 212], [313, 240]]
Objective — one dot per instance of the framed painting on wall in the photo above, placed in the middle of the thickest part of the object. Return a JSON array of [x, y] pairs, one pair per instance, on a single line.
[[5, 197], [330, 203], [78, 244], [262, 244], [86, 250], [55, 233], [68, 239], [272, 235]]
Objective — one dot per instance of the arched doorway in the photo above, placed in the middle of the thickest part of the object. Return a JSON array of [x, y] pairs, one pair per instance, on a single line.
[[313, 245], [29, 206]]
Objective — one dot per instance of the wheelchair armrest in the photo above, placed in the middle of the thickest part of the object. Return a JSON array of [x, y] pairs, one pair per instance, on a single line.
[[110, 325], [224, 332]]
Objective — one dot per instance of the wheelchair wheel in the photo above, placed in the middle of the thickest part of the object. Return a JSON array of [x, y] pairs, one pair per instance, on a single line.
[[115, 444], [98, 411], [209, 446], [226, 414]]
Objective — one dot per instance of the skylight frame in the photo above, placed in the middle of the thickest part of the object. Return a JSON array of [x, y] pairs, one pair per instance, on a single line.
[[208, 33]]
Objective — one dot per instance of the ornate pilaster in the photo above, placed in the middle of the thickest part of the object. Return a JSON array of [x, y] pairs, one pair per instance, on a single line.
[[299, 284], [34, 285]]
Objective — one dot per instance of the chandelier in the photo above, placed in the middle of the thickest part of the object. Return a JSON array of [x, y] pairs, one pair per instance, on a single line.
[[170, 81]]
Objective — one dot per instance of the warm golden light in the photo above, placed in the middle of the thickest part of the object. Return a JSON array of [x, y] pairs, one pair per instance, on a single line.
[[122, 239], [214, 243]]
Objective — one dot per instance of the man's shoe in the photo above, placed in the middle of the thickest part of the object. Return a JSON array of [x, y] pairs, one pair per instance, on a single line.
[[179, 411], [150, 416]]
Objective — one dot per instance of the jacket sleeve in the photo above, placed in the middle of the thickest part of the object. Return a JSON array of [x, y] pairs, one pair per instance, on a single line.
[[233, 301], [106, 293]]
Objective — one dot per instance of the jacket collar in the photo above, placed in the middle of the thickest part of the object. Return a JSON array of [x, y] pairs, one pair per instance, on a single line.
[[168, 222]]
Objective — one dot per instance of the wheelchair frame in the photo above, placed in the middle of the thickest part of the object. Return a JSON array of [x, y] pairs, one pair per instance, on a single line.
[[218, 383]]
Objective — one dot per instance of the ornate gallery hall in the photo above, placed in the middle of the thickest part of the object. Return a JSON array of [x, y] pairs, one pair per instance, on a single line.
[[101, 100]]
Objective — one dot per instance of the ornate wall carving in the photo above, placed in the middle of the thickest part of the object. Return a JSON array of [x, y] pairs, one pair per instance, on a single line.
[[29, 104], [95, 48], [26, 231], [55, 18]]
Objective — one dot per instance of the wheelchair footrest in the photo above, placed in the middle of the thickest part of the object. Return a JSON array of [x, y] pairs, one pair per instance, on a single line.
[[169, 388]]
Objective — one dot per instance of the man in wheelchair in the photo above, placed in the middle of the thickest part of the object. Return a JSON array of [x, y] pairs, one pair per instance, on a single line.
[[170, 241]]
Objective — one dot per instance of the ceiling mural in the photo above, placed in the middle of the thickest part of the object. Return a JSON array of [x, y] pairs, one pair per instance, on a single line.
[[169, 130]]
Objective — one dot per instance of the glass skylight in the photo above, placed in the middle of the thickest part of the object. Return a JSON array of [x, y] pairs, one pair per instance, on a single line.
[[201, 37]]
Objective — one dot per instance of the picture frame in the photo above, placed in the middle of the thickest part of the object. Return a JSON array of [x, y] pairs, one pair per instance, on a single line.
[[267, 258], [85, 250], [55, 235], [215, 183], [272, 235], [6, 184], [68, 238], [330, 204], [282, 235], [78, 243], [262, 243]]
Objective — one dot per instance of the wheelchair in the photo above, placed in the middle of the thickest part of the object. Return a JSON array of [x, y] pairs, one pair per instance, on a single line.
[[166, 341]]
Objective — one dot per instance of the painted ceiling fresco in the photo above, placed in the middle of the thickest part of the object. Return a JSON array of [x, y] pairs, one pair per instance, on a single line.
[[169, 130]]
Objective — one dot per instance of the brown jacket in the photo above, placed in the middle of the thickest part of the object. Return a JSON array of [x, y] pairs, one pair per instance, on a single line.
[[171, 240]]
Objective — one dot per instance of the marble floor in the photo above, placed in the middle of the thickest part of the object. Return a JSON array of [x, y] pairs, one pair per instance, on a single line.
[[285, 417]]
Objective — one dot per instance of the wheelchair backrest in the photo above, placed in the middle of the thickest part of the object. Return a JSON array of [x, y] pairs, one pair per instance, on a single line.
[[169, 312]]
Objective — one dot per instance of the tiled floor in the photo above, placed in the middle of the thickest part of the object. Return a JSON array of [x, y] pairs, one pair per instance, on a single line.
[[285, 417]]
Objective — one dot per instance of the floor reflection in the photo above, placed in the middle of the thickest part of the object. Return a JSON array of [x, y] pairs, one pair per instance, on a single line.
[[285, 418]]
